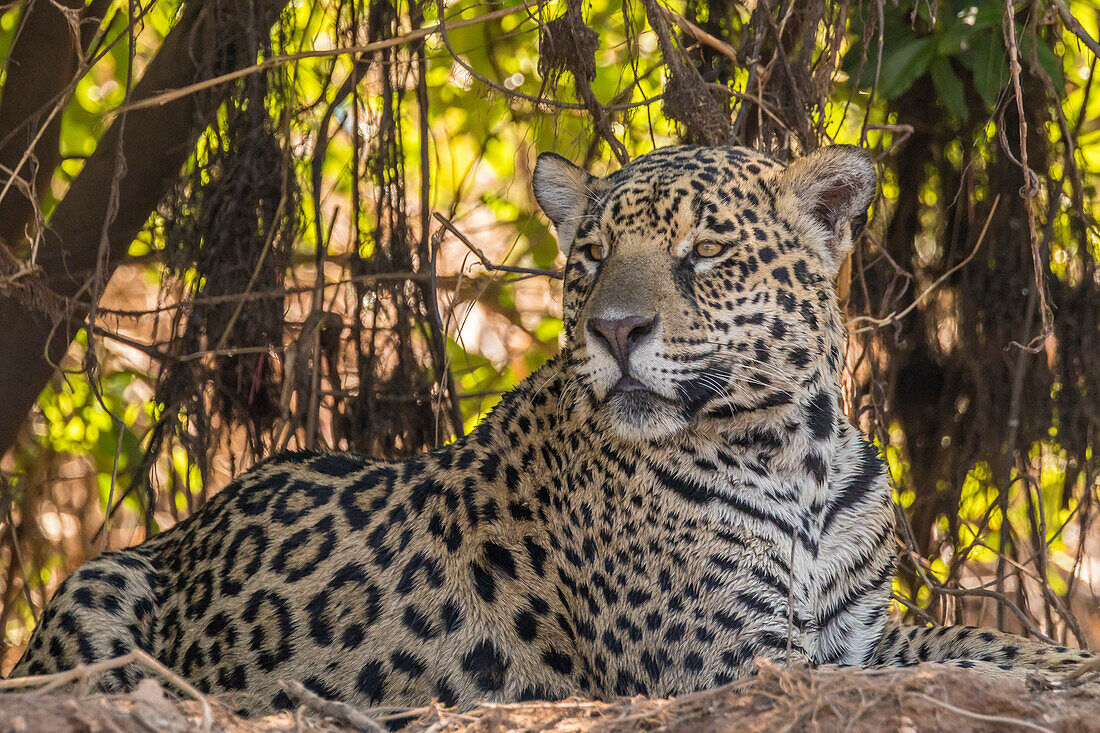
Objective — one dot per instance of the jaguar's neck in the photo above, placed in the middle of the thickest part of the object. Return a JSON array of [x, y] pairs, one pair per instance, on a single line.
[[785, 449], [783, 454]]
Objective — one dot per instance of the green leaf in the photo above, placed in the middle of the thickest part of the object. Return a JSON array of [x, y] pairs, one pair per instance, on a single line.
[[988, 59], [989, 15], [549, 328], [955, 39], [904, 66], [959, 31], [898, 32], [1032, 49], [949, 88]]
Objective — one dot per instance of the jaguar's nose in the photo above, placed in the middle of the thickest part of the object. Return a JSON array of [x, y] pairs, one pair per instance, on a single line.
[[620, 336]]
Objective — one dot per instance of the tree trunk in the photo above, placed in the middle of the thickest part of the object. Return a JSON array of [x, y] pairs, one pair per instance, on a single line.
[[155, 143]]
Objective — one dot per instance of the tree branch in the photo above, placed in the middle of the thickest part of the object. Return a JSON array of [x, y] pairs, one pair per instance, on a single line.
[[40, 69], [158, 142]]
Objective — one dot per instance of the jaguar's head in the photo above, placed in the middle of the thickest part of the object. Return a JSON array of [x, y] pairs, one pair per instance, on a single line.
[[699, 281]]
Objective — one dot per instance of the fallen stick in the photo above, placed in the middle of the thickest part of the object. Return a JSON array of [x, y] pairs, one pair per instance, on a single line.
[[47, 682]]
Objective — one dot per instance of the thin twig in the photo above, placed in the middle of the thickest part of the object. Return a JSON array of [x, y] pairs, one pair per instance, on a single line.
[[1088, 667], [21, 564], [339, 711], [701, 35], [1031, 183], [486, 263], [1074, 26], [1001, 598], [893, 317]]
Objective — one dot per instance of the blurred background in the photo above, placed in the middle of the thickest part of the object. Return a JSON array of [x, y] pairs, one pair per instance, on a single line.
[[232, 227]]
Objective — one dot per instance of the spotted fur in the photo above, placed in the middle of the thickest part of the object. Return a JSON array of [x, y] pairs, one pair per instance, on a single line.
[[675, 494]]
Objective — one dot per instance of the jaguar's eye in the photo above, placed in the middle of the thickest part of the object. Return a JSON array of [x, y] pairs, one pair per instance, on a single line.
[[595, 251], [709, 249]]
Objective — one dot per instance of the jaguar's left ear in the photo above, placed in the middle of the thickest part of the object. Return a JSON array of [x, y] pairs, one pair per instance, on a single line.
[[563, 191], [830, 190]]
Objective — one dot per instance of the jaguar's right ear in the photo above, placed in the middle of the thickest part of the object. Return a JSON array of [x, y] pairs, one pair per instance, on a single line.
[[563, 191]]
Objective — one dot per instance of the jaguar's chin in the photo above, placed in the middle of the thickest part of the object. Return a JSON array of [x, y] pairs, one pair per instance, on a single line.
[[643, 415]]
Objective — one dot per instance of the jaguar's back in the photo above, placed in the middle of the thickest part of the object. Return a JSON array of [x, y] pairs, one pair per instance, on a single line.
[[675, 494]]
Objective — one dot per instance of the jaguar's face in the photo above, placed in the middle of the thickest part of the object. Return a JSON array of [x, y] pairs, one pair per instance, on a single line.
[[699, 281]]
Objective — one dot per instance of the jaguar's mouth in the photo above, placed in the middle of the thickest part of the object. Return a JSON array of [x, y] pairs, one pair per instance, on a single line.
[[638, 397], [639, 413], [628, 384], [630, 390]]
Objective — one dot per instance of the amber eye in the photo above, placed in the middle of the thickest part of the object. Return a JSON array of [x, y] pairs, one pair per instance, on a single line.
[[709, 249], [595, 251]]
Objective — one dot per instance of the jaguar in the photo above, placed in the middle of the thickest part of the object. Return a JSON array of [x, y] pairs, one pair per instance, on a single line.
[[674, 495]]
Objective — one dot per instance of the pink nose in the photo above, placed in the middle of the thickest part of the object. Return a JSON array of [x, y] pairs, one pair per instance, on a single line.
[[620, 336]]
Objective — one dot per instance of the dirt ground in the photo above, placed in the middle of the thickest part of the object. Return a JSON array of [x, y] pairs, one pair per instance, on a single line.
[[907, 701]]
